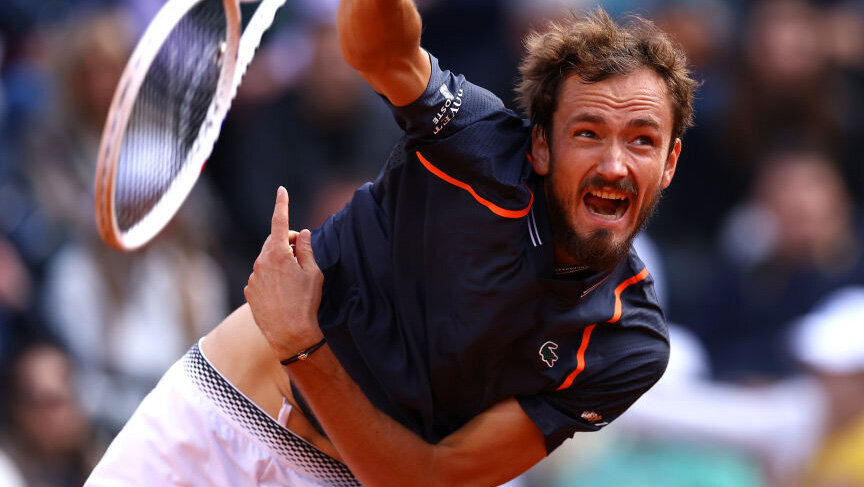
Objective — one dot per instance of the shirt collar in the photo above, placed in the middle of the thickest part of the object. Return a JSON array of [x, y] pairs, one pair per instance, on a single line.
[[540, 237]]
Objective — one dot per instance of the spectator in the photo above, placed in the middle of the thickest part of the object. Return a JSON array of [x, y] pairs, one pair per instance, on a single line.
[[127, 317], [787, 89], [16, 295], [26, 238], [845, 33], [49, 437], [124, 317], [830, 342], [786, 248], [61, 150]]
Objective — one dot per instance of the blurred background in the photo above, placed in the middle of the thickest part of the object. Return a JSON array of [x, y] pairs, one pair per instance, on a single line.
[[757, 247]]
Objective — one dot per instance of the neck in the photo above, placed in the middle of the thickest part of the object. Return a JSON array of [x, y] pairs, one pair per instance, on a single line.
[[565, 264], [563, 259]]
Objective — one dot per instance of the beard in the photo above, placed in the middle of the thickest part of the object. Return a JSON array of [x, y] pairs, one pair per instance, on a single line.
[[597, 249]]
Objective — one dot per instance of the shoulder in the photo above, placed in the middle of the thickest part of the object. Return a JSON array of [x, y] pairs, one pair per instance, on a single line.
[[461, 142], [449, 104], [635, 302], [617, 365], [630, 350]]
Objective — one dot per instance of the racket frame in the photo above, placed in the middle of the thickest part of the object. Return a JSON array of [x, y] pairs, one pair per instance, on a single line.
[[260, 22], [121, 109]]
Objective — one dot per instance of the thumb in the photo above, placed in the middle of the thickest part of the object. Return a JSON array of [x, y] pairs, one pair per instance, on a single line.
[[303, 250]]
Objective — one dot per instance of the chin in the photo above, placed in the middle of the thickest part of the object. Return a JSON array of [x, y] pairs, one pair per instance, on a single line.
[[604, 246], [599, 249]]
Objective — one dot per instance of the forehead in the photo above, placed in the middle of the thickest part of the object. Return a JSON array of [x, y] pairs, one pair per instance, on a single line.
[[637, 94]]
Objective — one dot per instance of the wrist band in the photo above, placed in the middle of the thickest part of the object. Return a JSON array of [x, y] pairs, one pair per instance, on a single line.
[[304, 354]]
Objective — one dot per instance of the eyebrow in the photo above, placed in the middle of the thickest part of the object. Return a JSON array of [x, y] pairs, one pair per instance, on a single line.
[[644, 122], [587, 117], [636, 122]]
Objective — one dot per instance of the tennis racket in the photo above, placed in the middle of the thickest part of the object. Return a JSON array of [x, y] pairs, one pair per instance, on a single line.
[[167, 112]]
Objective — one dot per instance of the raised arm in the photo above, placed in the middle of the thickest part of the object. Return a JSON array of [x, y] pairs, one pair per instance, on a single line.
[[381, 40]]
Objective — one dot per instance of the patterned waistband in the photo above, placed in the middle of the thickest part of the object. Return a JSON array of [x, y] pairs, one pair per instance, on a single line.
[[294, 449]]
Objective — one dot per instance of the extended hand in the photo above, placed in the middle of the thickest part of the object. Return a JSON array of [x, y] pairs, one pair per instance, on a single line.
[[284, 290]]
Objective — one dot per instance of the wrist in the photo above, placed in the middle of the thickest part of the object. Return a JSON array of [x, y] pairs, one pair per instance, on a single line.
[[304, 353]]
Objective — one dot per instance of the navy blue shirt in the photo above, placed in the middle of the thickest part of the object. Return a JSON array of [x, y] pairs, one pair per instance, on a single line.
[[439, 294]]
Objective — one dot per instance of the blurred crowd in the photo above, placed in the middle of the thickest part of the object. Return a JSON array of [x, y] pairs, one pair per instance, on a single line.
[[758, 246]]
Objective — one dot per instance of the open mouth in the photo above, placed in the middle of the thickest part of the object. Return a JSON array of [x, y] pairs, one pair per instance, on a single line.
[[607, 204]]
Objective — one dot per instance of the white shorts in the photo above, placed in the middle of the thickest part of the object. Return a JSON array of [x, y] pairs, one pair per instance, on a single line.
[[196, 429]]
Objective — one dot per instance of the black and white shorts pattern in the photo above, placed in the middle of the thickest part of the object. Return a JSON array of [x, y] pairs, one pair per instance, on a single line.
[[196, 429]]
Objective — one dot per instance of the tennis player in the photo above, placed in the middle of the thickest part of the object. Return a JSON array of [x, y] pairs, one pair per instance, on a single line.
[[467, 312]]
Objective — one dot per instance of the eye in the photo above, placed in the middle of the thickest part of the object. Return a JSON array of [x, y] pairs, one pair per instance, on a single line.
[[644, 140], [585, 133]]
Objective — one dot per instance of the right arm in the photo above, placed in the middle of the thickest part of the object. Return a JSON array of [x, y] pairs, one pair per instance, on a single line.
[[381, 40]]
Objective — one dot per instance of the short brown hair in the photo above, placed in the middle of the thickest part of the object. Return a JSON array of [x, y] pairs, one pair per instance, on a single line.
[[595, 47]]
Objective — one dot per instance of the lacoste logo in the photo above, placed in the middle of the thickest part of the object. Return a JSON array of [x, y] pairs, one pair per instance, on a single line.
[[446, 92], [591, 416], [547, 353], [449, 109]]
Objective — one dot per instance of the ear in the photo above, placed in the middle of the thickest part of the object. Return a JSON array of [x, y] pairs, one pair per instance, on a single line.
[[671, 164], [539, 151]]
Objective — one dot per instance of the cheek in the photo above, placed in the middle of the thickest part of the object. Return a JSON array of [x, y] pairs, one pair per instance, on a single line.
[[565, 180], [566, 196], [651, 175], [571, 165]]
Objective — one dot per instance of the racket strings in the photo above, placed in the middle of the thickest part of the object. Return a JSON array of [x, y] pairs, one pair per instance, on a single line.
[[170, 112]]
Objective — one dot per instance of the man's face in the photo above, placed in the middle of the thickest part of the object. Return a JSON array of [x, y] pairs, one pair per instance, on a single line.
[[608, 160]]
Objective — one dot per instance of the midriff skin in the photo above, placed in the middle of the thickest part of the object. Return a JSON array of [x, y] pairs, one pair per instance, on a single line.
[[238, 350]]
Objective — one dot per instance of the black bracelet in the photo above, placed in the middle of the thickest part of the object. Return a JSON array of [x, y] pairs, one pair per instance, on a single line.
[[304, 354]]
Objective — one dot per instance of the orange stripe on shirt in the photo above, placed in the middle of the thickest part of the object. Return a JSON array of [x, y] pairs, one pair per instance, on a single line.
[[580, 358], [620, 289], [488, 204], [586, 335]]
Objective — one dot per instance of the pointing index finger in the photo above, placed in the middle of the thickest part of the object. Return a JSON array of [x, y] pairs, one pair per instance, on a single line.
[[279, 227]]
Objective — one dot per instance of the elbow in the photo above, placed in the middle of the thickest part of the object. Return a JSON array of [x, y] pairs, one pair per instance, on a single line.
[[376, 61], [377, 37]]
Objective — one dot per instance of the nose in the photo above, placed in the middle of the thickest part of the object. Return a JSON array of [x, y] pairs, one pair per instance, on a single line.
[[612, 166]]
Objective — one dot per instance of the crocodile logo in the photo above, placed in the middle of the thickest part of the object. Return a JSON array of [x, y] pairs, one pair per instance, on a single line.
[[547, 353]]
